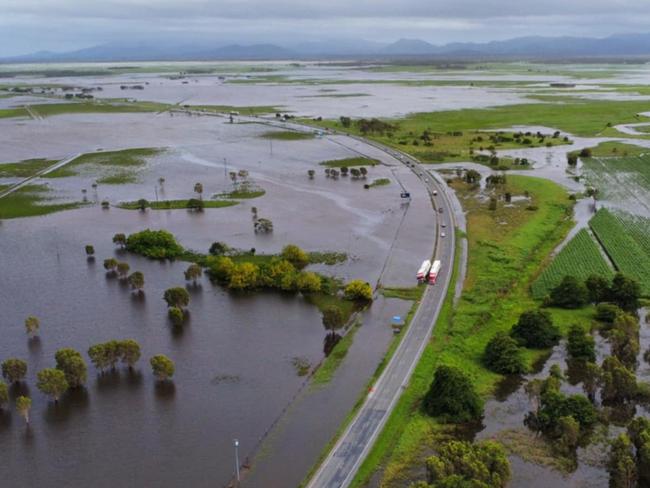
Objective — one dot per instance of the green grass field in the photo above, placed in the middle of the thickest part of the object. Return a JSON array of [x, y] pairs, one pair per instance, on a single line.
[[379, 182], [31, 201], [245, 110], [350, 162], [242, 193], [116, 164], [626, 254], [638, 228], [24, 169], [506, 249], [50, 109], [580, 258]]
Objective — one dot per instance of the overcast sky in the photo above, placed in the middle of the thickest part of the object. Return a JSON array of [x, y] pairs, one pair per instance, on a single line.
[[60, 25]]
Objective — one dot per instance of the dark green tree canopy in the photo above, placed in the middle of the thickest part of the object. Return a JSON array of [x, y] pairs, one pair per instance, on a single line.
[[570, 293], [580, 345], [452, 396], [503, 355], [535, 329], [177, 297]]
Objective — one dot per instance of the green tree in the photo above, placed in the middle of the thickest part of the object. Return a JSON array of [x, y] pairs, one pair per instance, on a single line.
[[621, 465], [123, 269], [136, 281], [591, 378], [163, 367], [177, 297], [14, 370], [244, 276], [143, 204], [625, 292], [503, 355], [459, 464], [193, 272], [24, 405], [155, 244], [73, 366], [99, 356], [597, 288], [624, 338], [32, 325], [472, 176], [130, 350], [580, 345], [358, 290], [308, 282], [52, 382], [311, 173], [618, 382], [535, 329], [607, 312], [198, 189], [4, 394], [333, 318], [120, 240], [176, 315], [570, 293], [569, 434], [90, 250], [295, 256], [110, 264], [220, 268], [219, 248], [452, 396]]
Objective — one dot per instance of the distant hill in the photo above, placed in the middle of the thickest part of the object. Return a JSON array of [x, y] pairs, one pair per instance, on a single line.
[[519, 48]]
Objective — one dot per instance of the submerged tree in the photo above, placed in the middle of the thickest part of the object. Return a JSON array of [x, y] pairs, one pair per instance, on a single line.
[[123, 269], [73, 366], [110, 264], [193, 272], [4, 394], [162, 367], [14, 370], [90, 250], [136, 281], [177, 297], [52, 382], [32, 325], [120, 240], [24, 405]]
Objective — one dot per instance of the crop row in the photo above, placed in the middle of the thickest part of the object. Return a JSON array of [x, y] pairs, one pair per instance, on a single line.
[[636, 227], [626, 254], [579, 258]]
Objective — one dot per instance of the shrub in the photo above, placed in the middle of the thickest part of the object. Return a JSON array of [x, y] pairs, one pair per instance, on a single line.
[[156, 244], [535, 329], [580, 345], [295, 256], [358, 290], [570, 293], [452, 396], [503, 355]]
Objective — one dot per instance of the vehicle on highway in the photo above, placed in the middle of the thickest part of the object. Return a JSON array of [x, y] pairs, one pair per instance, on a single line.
[[440, 210], [423, 271], [443, 234], [433, 272], [435, 193], [443, 225]]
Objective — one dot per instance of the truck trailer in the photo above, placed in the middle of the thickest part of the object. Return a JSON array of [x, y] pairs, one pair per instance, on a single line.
[[433, 272], [423, 272]]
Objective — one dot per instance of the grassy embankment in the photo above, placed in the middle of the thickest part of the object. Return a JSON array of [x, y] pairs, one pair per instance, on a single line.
[[244, 110], [454, 133], [287, 135], [379, 182], [506, 248], [176, 204], [30, 201], [50, 109], [24, 169], [242, 193], [350, 162]]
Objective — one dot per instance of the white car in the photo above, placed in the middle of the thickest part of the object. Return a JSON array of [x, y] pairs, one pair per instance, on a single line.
[[443, 234]]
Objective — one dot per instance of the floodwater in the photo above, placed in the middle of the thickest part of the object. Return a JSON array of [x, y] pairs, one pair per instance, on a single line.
[[234, 372]]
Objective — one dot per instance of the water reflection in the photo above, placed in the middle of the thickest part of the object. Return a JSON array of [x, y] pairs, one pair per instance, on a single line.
[[5, 418], [34, 345], [165, 390], [331, 340], [73, 401], [17, 389]]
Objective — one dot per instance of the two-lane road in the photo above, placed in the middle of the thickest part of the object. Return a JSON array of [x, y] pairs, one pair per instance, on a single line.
[[343, 461]]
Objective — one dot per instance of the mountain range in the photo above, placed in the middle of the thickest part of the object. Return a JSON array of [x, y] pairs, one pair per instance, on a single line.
[[519, 48]]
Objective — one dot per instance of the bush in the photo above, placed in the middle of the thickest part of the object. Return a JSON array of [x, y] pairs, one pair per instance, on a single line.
[[535, 329], [570, 293], [163, 368], [177, 297], [607, 312], [503, 355], [463, 464], [358, 290], [156, 244], [452, 396], [295, 256], [580, 345]]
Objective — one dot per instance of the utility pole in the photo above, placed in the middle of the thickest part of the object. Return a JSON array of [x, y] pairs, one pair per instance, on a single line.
[[236, 441]]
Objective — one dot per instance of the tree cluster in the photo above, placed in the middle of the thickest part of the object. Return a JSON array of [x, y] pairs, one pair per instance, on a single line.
[[156, 244], [106, 355], [571, 293], [452, 396]]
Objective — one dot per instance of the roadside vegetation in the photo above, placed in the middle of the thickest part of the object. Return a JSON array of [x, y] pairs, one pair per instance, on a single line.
[[507, 244], [50, 109], [190, 204], [350, 162], [119, 164], [287, 135]]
